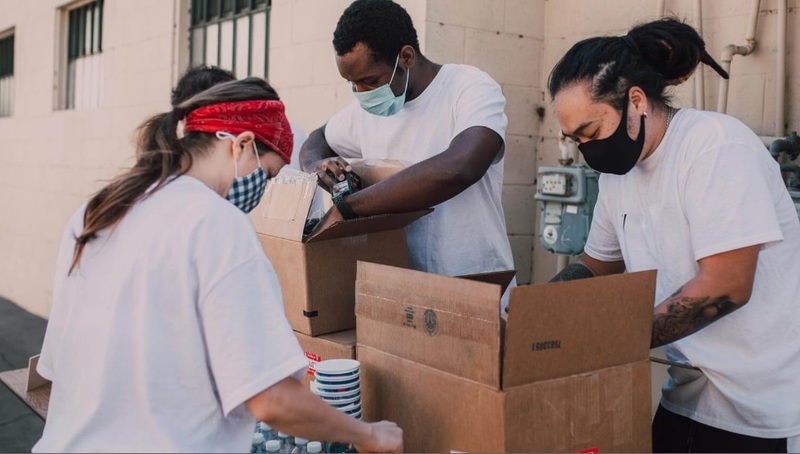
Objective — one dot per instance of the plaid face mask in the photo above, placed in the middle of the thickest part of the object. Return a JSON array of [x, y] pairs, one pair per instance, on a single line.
[[246, 191]]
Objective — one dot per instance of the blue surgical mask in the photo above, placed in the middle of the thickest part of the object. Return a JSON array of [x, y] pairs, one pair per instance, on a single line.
[[382, 101], [246, 191]]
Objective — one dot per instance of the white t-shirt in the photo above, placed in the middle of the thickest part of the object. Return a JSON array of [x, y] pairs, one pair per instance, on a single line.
[[711, 187], [299, 139], [171, 322], [466, 234]]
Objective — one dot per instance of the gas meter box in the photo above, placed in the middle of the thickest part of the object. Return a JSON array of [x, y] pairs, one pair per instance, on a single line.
[[568, 195]]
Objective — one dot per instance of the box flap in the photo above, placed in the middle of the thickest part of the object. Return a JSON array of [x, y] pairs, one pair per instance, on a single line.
[[372, 171], [34, 380], [444, 322], [565, 328], [501, 278], [283, 209], [361, 226]]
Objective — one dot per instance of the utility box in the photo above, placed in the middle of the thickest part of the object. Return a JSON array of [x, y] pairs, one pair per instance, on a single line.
[[568, 195]]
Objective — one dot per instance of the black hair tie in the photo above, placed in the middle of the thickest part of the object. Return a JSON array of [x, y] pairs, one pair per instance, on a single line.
[[632, 44]]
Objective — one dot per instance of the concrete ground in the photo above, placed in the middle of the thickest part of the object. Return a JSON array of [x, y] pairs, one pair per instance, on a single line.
[[21, 335]]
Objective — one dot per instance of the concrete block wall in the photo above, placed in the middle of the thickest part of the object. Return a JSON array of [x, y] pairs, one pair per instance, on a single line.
[[51, 160], [505, 39]]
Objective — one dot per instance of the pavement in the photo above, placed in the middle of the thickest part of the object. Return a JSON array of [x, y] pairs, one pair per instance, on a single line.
[[21, 335]]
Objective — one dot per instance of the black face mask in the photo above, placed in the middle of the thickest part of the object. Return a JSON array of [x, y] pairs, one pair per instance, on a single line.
[[617, 153]]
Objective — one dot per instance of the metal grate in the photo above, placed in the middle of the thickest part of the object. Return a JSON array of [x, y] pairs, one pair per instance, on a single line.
[[6, 75], [84, 44], [231, 34]]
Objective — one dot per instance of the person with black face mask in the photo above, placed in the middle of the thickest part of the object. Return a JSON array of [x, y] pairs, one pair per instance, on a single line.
[[696, 196]]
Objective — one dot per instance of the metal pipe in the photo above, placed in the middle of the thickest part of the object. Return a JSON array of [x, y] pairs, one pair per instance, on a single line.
[[732, 49], [661, 7], [789, 145], [569, 150], [767, 140], [780, 71], [699, 81], [561, 262]]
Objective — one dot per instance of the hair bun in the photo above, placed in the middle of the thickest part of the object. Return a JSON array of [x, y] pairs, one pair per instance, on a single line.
[[673, 48]]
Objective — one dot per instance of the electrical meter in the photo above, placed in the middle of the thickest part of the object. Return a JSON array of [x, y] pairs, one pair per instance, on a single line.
[[568, 195]]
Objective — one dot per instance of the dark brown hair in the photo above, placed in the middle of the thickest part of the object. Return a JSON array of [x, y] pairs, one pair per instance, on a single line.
[[652, 56], [160, 154]]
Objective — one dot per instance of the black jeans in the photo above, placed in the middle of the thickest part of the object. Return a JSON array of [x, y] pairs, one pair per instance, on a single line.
[[676, 433]]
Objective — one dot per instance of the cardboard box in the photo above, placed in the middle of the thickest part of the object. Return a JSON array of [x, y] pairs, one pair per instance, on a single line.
[[568, 371], [317, 272], [341, 345]]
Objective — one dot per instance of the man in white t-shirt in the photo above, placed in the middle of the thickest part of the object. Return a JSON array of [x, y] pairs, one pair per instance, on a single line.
[[696, 196], [446, 121]]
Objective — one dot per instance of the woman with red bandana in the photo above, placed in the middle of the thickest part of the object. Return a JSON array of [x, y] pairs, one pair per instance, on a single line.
[[167, 331]]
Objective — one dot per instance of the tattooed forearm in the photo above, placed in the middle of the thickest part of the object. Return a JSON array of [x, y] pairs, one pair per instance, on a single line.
[[573, 272], [686, 315]]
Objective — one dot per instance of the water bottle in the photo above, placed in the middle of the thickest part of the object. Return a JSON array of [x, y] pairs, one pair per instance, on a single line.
[[273, 446], [336, 447], [258, 443], [314, 447], [301, 446], [265, 429], [287, 442]]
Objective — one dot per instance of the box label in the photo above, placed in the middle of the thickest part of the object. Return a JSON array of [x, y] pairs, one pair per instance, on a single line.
[[312, 361], [546, 345], [430, 322], [409, 321]]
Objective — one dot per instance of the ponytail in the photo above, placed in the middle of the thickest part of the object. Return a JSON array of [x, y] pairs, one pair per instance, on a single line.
[[160, 155], [651, 56]]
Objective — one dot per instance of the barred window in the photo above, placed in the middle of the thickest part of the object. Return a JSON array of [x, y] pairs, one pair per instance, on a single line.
[[82, 82], [231, 34], [6, 73]]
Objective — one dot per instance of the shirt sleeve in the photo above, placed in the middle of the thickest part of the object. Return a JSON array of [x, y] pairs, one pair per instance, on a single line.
[[481, 103], [728, 202], [342, 134], [603, 242], [55, 322], [249, 342]]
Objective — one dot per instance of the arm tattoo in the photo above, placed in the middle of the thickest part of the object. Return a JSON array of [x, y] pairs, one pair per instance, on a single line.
[[573, 272], [687, 315]]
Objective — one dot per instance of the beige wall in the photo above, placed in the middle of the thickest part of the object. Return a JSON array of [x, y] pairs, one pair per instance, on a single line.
[[50, 161], [504, 38]]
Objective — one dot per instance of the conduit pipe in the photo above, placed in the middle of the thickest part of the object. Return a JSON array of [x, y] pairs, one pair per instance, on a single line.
[[569, 155], [661, 7], [732, 49], [780, 71], [699, 82]]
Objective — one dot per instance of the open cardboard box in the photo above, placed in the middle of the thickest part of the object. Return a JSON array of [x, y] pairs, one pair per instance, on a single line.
[[568, 371], [317, 272]]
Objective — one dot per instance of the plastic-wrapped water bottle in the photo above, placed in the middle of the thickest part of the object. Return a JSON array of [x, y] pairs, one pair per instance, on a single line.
[[265, 429], [300, 446], [314, 447], [287, 442], [258, 443], [273, 446]]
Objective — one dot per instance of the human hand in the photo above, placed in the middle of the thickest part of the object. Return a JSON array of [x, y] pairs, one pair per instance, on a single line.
[[336, 165], [385, 436]]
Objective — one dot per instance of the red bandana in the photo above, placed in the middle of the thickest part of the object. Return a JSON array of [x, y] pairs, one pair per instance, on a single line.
[[266, 119]]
